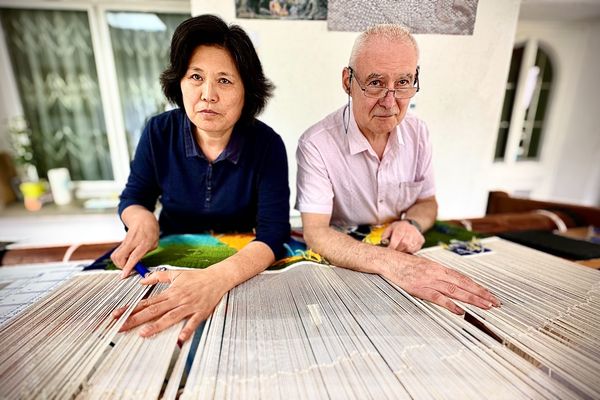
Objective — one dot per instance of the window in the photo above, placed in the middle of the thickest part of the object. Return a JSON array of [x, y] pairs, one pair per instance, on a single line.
[[88, 79], [528, 91], [509, 101]]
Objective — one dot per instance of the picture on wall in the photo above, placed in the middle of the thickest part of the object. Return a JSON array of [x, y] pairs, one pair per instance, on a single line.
[[282, 9], [450, 17]]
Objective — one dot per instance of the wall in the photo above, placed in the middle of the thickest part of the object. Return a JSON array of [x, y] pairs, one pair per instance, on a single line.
[[568, 169], [576, 172], [462, 78]]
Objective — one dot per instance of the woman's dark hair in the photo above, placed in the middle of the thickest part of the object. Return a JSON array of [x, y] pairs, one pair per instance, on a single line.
[[211, 30]]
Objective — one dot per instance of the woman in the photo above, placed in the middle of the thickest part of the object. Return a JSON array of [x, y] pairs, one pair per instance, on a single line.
[[213, 166]]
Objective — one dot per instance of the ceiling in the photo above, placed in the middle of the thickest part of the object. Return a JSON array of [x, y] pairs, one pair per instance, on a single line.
[[562, 10]]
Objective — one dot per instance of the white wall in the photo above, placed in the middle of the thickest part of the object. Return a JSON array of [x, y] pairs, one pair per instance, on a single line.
[[463, 80], [576, 153], [462, 77], [569, 166]]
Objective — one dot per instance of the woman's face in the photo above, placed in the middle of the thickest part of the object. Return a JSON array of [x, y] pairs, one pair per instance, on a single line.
[[213, 92]]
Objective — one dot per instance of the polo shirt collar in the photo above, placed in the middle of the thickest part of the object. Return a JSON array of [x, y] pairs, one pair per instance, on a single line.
[[358, 142], [232, 151]]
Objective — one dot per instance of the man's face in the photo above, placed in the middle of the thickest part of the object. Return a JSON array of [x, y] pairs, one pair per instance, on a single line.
[[387, 64]]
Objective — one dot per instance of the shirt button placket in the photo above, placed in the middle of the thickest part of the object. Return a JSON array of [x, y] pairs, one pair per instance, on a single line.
[[208, 185]]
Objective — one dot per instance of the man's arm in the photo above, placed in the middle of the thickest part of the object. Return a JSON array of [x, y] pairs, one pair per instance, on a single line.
[[420, 277], [424, 212], [406, 234]]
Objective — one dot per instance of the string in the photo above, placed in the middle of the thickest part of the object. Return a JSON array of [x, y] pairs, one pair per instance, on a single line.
[[315, 331]]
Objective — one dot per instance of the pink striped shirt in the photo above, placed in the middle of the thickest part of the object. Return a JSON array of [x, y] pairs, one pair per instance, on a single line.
[[340, 174]]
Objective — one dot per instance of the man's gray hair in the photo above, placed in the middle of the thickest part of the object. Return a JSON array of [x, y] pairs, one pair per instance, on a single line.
[[391, 32]]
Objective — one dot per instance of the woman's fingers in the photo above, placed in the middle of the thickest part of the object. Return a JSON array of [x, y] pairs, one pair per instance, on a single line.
[[141, 237], [168, 319], [119, 311], [135, 256], [160, 276], [190, 326], [121, 253], [148, 310]]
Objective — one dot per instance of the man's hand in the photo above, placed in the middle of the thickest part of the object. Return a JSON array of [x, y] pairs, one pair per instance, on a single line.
[[431, 281], [420, 277], [403, 236], [141, 237], [192, 294]]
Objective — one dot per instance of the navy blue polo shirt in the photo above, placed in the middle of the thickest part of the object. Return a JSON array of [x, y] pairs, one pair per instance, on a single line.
[[246, 188]]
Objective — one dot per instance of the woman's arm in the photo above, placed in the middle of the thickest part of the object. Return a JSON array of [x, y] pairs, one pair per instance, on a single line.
[[273, 211], [136, 206], [195, 294], [142, 236]]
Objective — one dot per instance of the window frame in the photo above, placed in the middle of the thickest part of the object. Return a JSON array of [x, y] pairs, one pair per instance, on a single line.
[[107, 76], [518, 120]]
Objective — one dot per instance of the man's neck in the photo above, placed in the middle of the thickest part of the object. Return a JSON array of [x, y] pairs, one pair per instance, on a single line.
[[378, 142]]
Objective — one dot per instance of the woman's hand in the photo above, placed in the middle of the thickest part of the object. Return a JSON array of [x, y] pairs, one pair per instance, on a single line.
[[141, 237], [195, 294], [192, 294]]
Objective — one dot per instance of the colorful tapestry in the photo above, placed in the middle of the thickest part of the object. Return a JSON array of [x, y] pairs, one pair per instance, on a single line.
[[204, 250]]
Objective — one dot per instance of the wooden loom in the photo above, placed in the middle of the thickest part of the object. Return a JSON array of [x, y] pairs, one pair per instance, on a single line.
[[315, 331]]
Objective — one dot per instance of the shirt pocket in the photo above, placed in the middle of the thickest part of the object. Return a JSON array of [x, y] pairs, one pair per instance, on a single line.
[[408, 193]]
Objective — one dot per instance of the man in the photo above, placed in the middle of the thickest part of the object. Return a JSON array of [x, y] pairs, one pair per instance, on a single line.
[[370, 163]]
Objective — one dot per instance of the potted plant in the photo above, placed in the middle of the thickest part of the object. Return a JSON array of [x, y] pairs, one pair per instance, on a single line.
[[30, 187]]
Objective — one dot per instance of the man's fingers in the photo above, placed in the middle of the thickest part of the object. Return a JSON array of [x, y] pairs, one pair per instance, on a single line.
[[385, 236], [438, 298], [396, 241], [415, 245], [468, 285], [455, 292]]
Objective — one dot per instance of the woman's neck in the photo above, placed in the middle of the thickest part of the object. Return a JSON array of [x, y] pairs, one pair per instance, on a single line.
[[212, 144]]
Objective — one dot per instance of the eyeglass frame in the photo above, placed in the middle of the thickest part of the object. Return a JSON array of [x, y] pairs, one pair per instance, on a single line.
[[400, 90]]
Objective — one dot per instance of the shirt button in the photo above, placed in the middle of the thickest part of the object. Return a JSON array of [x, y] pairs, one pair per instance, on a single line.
[[380, 200]]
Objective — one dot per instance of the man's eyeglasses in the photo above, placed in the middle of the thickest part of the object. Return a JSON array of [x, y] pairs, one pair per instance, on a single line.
[[378, 92]]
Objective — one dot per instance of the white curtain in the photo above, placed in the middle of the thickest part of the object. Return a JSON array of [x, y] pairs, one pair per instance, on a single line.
[[140, 43], [53, 60]]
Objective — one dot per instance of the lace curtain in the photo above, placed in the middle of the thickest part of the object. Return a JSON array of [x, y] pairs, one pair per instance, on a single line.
[[140, 43], [53, 62]]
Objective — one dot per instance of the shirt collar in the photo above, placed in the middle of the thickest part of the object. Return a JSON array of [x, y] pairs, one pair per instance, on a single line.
[[232, 151], [358, 142]]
